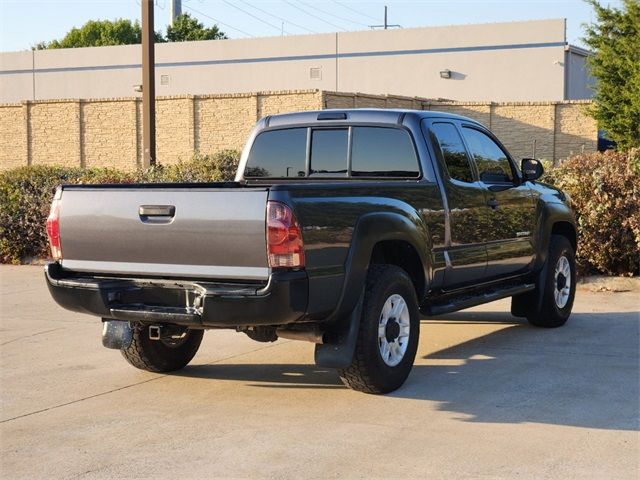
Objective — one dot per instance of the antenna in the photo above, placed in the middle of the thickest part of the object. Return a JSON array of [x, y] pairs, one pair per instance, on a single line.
[[386, 23], [176, 10]]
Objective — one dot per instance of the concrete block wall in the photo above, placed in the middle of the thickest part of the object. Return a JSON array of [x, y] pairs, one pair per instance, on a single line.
[[54, 133], [575, 130], [13, 136], [108, 132], [175, 129]]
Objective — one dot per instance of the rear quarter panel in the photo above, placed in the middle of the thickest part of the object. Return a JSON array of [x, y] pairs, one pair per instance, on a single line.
[[329, 215]]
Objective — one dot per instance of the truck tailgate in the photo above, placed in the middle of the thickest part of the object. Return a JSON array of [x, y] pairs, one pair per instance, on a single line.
[[177, 232]]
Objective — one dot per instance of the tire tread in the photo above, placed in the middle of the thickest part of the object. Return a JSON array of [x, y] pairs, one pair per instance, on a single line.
[[139, 356], [357, 376]]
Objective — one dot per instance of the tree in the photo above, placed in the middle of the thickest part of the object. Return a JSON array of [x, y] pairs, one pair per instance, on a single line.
[[185, 28], [98, 33], [615, 40]]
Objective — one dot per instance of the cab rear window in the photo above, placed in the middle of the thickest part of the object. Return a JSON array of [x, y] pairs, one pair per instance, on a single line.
[[334, 152]]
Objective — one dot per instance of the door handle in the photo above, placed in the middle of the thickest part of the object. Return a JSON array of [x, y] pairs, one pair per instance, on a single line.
[[157, 210], [493, 203]]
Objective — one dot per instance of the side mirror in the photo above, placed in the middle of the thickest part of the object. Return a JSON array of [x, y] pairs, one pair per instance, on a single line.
[[531, 169]]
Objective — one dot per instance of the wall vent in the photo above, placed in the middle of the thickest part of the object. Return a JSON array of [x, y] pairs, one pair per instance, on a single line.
[[315, 73]]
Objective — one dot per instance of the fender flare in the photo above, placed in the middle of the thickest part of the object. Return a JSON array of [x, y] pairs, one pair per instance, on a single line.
[[551, 214], [344, 322]]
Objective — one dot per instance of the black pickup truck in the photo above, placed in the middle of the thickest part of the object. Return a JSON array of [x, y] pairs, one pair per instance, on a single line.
[[341, 228]]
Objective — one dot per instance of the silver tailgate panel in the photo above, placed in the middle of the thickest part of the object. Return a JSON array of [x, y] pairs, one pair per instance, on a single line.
[[213, 234]]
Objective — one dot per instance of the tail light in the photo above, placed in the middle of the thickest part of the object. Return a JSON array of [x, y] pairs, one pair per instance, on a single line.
[[53, 226], [284, 237]]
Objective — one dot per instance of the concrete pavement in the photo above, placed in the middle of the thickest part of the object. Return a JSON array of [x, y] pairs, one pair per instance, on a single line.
[[489, 397]]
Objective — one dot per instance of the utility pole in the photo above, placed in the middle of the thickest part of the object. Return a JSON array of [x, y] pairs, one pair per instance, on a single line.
[[148, 86], [386, 23], [176, 10]]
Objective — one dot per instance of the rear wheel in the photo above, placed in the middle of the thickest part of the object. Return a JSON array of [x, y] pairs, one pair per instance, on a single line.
[[388, 336], [163, 355]]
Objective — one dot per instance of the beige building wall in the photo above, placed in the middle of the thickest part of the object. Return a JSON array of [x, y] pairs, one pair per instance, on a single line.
[[108, 132], [514, 61]]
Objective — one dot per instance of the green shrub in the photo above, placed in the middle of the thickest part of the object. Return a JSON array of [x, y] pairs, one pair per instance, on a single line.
[[201, 168], [604, 188], [605, 193], [26, 193]]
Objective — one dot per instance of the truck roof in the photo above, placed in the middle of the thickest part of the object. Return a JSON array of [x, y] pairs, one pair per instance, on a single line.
[[356, 115]]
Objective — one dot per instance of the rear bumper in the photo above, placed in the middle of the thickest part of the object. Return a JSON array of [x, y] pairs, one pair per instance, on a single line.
[[184, 302]]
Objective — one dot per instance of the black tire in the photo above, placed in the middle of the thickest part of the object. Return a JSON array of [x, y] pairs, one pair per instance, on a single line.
[[539, 306], [161, 355], [368, 371]]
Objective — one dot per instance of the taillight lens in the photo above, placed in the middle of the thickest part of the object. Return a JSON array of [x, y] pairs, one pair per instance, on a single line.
[[53, 226], [284, 237]]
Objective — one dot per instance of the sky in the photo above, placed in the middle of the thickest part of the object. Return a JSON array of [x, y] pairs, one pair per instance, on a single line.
[[23, 23]]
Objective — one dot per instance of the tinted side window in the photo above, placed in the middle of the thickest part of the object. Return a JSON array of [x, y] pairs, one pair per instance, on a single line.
[[329, 152], [453, 151], [383, 152], [491, 161], [278, 153]]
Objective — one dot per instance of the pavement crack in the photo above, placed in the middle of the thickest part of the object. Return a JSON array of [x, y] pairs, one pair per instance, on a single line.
[[131, 385], [81, 399], [32, 335]]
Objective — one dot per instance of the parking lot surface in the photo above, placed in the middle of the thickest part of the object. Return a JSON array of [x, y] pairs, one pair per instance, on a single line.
[[489, 397]]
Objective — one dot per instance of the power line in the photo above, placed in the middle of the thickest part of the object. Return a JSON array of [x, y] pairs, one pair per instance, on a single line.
[[279, 18], [217, 21], [332, 15], [354, 10], [314, 16], [255, 16]]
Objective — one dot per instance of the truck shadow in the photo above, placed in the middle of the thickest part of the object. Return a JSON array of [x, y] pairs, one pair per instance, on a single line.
[[585, 374]]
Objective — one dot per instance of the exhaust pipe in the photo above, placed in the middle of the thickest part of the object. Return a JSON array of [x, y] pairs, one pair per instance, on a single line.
[[313, 336]]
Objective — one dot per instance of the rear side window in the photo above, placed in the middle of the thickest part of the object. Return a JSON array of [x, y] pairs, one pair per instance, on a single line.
[[491, 161], [383, 152], [453, 151], [278, 153], [329, 150]]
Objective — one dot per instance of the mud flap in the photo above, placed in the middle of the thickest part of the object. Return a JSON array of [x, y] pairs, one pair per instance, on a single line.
[[339, 351], [521, 304], [116, 334]]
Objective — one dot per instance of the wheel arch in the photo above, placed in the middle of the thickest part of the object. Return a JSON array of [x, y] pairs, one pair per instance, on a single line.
[[555, 219], [566, 229], [403, 254], [375, 240]]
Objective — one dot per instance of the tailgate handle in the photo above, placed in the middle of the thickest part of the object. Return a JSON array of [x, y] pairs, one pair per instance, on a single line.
[[157, 210]]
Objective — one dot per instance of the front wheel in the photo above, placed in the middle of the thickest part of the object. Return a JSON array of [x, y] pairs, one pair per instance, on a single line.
[[550, 304], [388, 335], [163, 355]]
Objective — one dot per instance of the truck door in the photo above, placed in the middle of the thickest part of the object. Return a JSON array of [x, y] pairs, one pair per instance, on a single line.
[[508, 204], [467, 209]]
